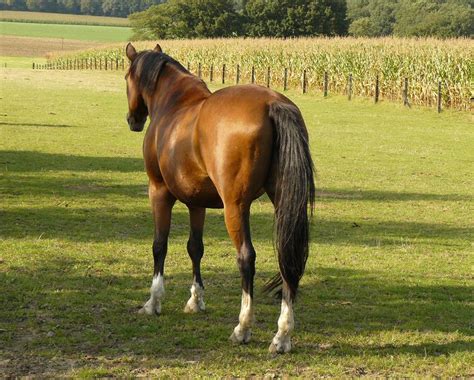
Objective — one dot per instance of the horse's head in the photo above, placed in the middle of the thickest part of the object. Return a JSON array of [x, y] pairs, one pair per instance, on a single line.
[[137, 109]]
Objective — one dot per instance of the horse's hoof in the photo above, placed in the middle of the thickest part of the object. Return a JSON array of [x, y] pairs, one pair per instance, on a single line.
[[280, 346], [194, 306], [240, 337], [149, 309]]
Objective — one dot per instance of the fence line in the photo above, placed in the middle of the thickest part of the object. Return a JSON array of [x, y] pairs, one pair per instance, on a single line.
[[109, 64]]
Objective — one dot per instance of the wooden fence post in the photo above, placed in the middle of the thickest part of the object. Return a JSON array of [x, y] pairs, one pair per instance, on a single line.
[[349, 88], [285, 79], [33, 65], [376, 99], [325, 84], [211, 74], [304, 81], [237, 74], [405, 93], [188, 67], [253, 74], [439, 96], [268, 77], [106, 62], [223, 73], [199, 70], [123, 64]]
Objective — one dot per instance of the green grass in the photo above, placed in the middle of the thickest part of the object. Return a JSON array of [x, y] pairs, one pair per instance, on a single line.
[[61, 18], [73, 32], [388, 288], [20, 62]]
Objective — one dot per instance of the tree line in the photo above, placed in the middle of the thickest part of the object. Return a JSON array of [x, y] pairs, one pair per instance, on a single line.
[[117, 8], [152, 19], [293, 18], [253, 18]]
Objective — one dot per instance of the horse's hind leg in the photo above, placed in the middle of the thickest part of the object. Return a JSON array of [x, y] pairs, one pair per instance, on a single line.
[[162, 203], [196, 251], [281, 342], [237, 223]]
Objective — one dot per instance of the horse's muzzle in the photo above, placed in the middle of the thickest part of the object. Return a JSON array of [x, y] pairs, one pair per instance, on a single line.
[[134, 124]]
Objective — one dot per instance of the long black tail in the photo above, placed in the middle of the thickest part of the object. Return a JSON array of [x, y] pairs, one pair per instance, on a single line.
[[294, 190]]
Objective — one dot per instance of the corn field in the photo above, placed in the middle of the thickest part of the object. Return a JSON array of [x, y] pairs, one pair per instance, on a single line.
[[425, 62]]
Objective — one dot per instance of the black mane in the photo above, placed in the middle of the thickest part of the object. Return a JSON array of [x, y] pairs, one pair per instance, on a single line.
[[147, 67]]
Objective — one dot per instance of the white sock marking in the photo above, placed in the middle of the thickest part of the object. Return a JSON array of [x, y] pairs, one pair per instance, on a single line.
[[157, 291], [282, 341], [243, 330], [196, 301]]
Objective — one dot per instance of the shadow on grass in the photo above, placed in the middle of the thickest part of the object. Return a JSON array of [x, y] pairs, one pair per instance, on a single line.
[[111, 224], [48, 125], [108, 223], [31, 161], [66, 308], [386, 196]]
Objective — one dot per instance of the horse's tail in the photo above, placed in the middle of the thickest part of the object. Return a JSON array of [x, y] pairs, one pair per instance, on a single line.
[[294, 190]]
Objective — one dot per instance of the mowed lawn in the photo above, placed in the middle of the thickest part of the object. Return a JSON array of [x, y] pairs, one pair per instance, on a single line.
[[389, 283], [66, 31]]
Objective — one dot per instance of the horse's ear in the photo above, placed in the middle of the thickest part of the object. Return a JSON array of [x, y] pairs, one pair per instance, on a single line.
[[131, 52], [158, 48]]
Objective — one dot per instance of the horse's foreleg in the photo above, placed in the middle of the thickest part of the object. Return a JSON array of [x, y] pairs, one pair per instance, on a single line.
[[162, 203], [237, 223], [196, 251]]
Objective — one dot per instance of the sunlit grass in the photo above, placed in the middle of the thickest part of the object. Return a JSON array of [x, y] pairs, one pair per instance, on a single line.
[[66, 31]]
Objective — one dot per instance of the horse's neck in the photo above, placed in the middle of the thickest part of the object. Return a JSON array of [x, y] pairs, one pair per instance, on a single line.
[[176, 89]]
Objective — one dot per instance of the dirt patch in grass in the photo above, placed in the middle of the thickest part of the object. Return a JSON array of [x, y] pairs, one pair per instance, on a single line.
[[39, 47]]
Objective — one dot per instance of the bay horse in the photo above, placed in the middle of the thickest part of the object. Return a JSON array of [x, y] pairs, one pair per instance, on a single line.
[[222, 150]]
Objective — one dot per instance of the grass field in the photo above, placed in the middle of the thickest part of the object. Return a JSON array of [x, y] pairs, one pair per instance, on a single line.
[[389, 284], [72, 32], [61, 18], [20, 62]]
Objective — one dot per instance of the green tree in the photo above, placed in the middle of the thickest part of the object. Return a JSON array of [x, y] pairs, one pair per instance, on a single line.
[[91, 7], [186, 19], [291, 18], [452, 18], [371, 18], [13, 4]]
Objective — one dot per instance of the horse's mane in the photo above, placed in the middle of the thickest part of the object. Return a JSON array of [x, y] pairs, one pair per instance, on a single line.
[[147, 67]]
